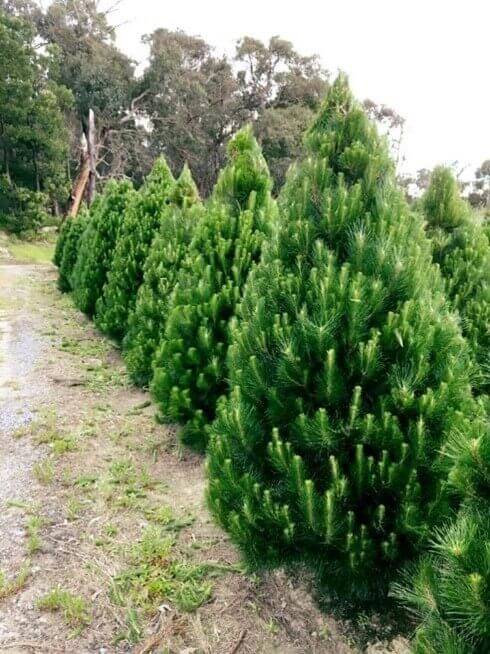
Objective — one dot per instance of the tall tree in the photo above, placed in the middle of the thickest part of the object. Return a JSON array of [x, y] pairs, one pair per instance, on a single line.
[[191, 100], [33, 137], [281, 89]]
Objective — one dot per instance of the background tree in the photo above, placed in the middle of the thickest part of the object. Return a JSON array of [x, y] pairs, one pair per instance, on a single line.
[[479, 196], [33, 137], [192, 102], [280, 90]]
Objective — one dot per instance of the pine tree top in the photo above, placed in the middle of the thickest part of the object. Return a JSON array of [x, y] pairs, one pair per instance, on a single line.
[[343, 134], [442, 203], [245, 182], [159, 178], [185, 191]]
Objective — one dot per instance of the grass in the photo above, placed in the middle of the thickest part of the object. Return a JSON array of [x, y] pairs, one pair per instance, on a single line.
[[44, 471], [33, 526], [16, 584], [31, 252], [157, 573], [73, 608]]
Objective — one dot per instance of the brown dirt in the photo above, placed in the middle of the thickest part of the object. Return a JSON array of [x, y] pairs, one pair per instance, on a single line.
[[59, 379]]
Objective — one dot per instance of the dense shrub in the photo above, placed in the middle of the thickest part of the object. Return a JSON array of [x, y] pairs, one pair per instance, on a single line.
[[147, 321], [189, 373], [347, 370], [97, 244], [462, 249], [71, 244], [141, 220]]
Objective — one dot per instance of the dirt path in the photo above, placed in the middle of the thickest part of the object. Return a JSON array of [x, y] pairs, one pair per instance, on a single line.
[[105, 543]]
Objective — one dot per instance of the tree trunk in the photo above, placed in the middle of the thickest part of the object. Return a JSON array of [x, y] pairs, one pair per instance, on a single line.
[[92, 157]]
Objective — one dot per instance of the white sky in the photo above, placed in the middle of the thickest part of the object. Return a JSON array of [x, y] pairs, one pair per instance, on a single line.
[[428, 59]]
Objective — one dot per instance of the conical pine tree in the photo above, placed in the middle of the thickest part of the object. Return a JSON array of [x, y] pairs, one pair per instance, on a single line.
[[60, 242], [189, 374], [146, 323], [461, 247], [448, 590], [141, 221], [97, 244], [346, 370], [71, 244]]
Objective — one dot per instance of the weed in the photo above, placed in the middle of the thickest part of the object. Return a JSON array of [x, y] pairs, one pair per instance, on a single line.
[[44, 471], [156, 574], [33, 526], [73, 608], [8, 588], [73, 509]]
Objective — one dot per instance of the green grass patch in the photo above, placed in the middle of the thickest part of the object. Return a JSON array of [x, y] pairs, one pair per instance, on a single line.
[[157, 573], [12, 586], [73, 608], [31, 252]]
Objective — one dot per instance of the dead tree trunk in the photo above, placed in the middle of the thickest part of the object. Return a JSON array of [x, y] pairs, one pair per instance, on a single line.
[[84, 184], [92, 157]]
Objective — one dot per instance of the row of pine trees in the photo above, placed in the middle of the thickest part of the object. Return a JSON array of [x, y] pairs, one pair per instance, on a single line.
[[329, 351]]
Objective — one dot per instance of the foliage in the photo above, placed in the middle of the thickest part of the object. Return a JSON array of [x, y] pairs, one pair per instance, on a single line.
[[461, 247], [146, 323], [347, 373], [70, 249], [449, 590], [141, 221], [21, 209], [33, 135], [189, 364], [97, 244]]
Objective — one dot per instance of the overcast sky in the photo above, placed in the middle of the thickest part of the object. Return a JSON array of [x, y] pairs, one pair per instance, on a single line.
[[429, 60]]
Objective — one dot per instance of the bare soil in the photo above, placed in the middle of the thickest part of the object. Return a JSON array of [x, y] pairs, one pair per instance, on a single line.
[[82, 456]]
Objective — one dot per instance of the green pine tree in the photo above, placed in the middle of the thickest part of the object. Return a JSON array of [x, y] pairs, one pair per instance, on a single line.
[[97, 244], [189, 374], [71, 237], [147, 322], [346, 371], [141, 221], [60, 242], [462, 249], [448, 591]]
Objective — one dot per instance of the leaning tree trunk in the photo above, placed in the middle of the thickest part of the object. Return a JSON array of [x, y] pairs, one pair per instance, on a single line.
[[85, 181]]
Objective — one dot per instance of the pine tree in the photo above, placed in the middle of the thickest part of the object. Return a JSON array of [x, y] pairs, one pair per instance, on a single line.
[[146, 323], [71, 244], [189, 374], [346, 368], [97, 244], [60, 242], [141, 221], [461, 247], [448, 591]]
